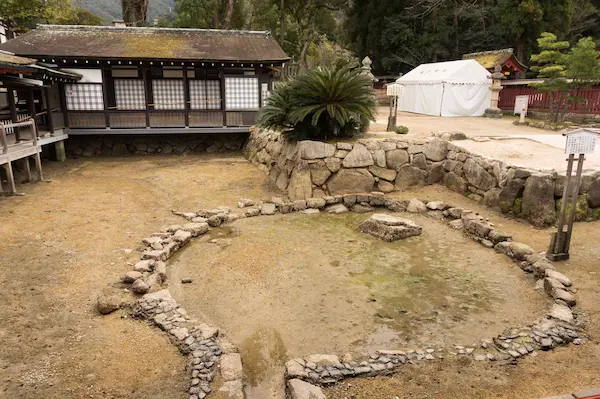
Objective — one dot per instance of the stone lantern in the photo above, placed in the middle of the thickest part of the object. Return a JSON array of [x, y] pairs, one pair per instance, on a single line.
[[366, 69], [497, 77]]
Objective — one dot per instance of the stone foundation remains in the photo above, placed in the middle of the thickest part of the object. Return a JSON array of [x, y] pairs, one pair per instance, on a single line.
[[177, 144], [312, 169]]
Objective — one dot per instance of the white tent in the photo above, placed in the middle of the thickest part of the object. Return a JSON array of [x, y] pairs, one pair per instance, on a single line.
[[452, 88]]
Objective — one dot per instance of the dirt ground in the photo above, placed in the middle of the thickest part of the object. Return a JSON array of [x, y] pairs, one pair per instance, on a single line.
[[564, 370], [290, 286], [65, 240]]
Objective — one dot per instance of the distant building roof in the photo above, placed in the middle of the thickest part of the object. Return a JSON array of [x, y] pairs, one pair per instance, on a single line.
[[488, 59], [109, 42], [10, 63]]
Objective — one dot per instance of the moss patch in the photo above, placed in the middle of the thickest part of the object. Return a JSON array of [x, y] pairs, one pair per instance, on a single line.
[[516, 208], [581, 208]]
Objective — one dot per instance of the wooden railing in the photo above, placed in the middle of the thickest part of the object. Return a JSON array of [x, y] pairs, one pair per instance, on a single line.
[[538, 101]]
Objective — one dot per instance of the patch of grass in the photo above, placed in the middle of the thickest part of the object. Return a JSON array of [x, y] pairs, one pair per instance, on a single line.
[[400, 129]]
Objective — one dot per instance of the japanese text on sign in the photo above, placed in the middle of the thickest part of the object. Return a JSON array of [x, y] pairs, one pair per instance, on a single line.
[[580, 143]]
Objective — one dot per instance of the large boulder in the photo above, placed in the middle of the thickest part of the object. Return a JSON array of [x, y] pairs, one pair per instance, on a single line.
[[594, 194], [409, 176], [300, 185], [359, 157], [383, 173], [513, 190], [389, 228], [478, 176], [396, 158], [538, 205], [436, 150], [455, 183], [315, 150], [435, 172], [348, 181]]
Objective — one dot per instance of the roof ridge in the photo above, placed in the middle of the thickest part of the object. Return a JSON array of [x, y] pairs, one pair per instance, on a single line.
[[232, 32], [499, 51]]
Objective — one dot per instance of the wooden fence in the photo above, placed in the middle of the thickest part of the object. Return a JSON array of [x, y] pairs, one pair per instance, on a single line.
[[590, 103]]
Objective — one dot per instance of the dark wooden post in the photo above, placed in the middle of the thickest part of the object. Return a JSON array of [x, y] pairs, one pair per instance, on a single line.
[[106, 76], [147, 74], [223, 99], [186, 96], [13, 112], [49, 110], [63, 103], [32, 112]]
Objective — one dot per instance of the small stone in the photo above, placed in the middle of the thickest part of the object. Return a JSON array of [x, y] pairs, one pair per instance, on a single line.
[[186, 281], [553, 274], [415, 206], [245, 202], [268, 209], [139, 286], [310, 211], [336, 209], [561, 312], [214, 221], [479, 357], [131, 276], [145, 265], [360, 208]]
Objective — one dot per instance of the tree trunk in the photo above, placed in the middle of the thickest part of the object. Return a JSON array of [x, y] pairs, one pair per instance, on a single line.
[[134, 12], [304, 51], [520, 49], [228, 14]]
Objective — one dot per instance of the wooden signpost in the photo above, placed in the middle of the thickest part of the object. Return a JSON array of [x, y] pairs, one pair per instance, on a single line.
[[579, 142], [395, 91]]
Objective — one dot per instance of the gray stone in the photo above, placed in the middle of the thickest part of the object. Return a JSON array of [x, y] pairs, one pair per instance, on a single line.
[[491, 197], [350, 181], [344, 146], [455, 182], [455, 213], [323, 360], [282, 181], [294, 368], [515, 250], [214, 221], [139, 286], [497, 236], [108, 300], [336, 209], [410, 177], [396, 158], [416, 206], [131, 276], [251, 212], [358, 157], [565, 296], [456, 224], [389, 228], [315, 149], [245, 202], [231, 367], [477, 227], [195, 229], [419, 161], [593, 195], [333, 164], [507, 196], [538, 205], [435, 173], [303, 390], [553, 274], [182, 236], [300, 185], [379, 158], [310, 211], [437, 206], [120, 149], [551, 285], [315, 203], [319, 173], [385, 186], [145, 265], [383, 173], [478, 176], [268, 209], [562, 313], [436, 150], [361, 208]]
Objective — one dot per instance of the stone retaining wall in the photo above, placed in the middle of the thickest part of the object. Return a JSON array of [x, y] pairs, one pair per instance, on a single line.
[[178, 144], [315, 169]]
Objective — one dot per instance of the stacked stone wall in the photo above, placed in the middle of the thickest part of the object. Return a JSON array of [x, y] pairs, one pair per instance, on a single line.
[[177, 144], [312, 169]]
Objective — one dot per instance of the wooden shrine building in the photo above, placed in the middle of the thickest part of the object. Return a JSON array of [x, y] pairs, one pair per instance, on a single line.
[[155, 80], [512, 68]]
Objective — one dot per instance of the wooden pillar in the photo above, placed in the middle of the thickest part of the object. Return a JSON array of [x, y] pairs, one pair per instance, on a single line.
[[10, 177], [27, 168], [32, 112], [575, 194], [223, 99], [147, 75], [13, 112], [63, 103], [106, 76], [186, 96], [49, 110]]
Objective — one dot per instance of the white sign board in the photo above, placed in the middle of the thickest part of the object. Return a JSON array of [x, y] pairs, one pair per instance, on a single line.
[[520, 102], [580, 143], [394, 89]]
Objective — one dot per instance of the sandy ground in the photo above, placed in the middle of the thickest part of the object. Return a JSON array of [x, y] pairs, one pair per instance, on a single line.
[[64, 241], [518, 145], [294, 285], [568, 369]]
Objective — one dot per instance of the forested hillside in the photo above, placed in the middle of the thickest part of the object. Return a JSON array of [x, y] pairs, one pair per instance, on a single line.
[[109, 10]]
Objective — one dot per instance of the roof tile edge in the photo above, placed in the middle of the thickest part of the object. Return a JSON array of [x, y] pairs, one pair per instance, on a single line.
[[148, 29]]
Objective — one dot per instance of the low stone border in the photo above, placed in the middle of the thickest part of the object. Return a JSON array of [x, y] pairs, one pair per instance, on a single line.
[[207, 350]]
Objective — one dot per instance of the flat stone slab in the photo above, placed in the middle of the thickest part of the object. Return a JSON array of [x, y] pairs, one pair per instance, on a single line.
[[390, 228]]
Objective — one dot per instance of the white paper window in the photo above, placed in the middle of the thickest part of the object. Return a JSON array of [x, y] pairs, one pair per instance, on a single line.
[[205, 94], [168, 94], [265, 93], [84, 97], [130, 94], [241, 93]]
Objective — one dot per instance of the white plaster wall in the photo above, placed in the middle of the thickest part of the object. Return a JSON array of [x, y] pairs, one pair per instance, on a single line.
[[89, 75]]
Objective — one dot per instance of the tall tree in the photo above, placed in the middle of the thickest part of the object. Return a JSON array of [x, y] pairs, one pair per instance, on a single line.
[[134, 12], [213, 14]]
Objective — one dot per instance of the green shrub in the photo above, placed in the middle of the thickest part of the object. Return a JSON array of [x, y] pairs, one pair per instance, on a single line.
[[400, 129], [321, 103]]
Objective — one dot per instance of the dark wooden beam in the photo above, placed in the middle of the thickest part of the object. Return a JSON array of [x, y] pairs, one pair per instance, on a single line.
[[12, 106], [223, 101], [147, 75], [186, 96], [48, 109], [63, 103], [106, 76]]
